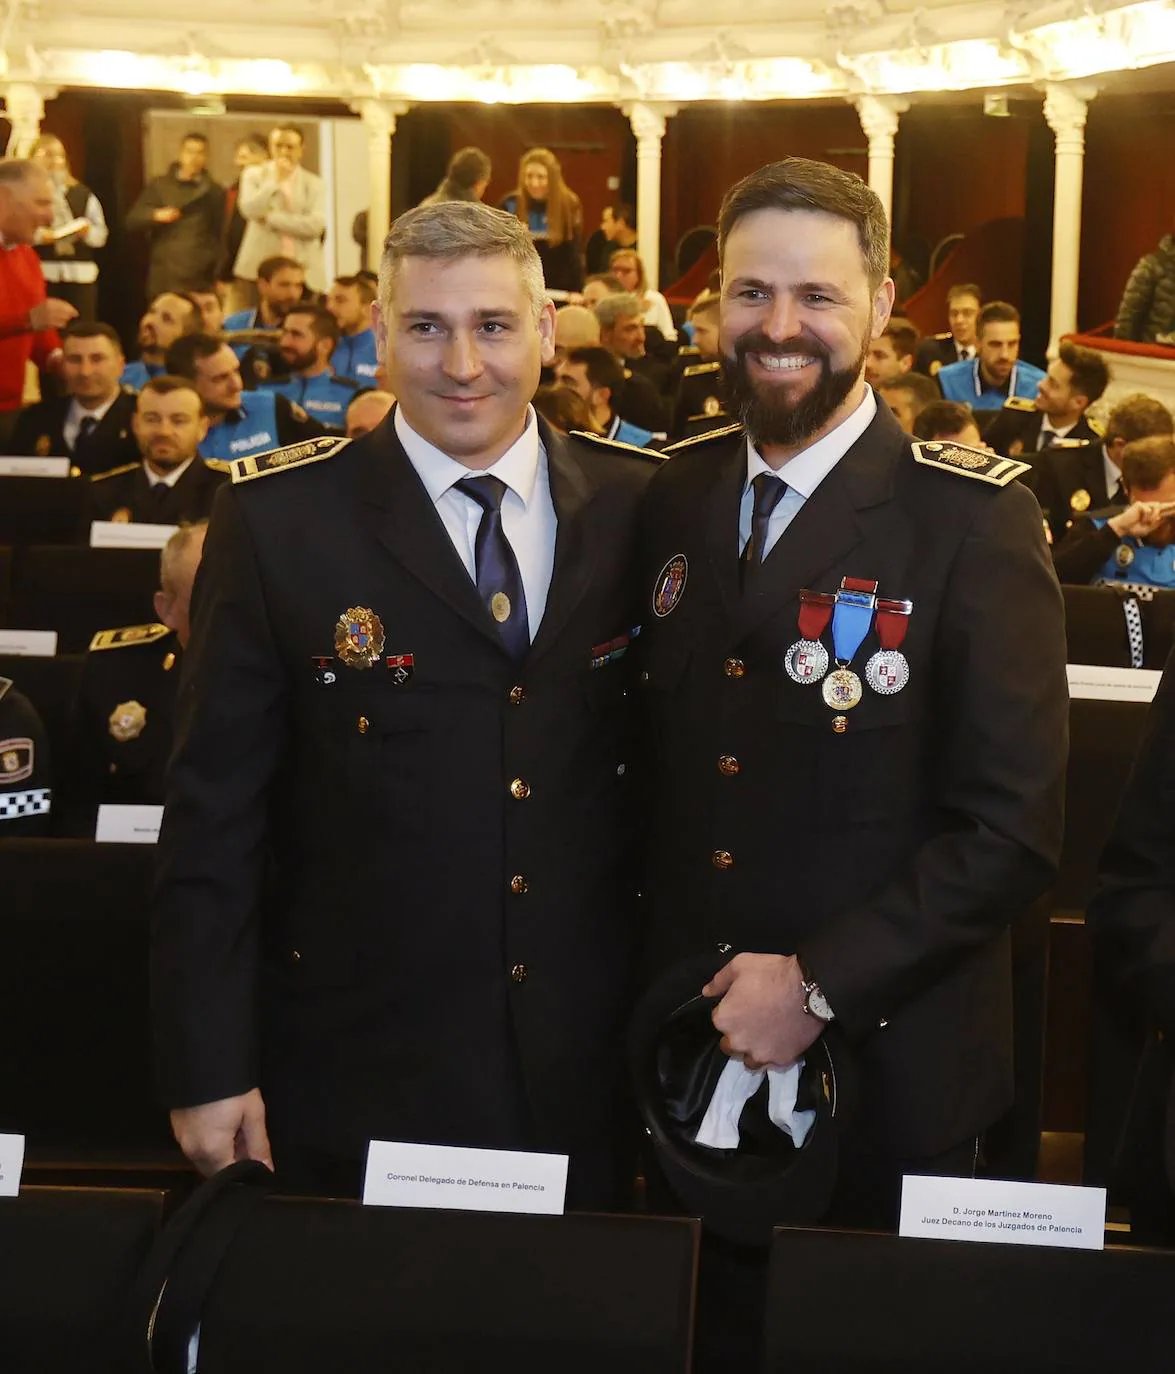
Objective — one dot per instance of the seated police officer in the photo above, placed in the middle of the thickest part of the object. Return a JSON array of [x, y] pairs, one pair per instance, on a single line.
[[1134, 545], [596, 375], [25, 791], [349, 301], [120, 729], [996, 371], [1075, 379], [169, 316], [171, 482], [91, 424], [309, 337], [240, 422]]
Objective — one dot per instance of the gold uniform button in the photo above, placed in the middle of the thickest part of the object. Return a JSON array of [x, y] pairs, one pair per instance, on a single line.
[[518, 884], [722, 858], [518, 973], [840, 724], [734, 667], [517, 696], [364, 724], [168, 662], [519, 790], [296, 956], [729, 766]]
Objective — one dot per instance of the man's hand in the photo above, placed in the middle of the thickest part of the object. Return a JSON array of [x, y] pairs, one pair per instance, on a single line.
[[1141, 518], [217, 1134], [50, 314], [761, 1015], [167, 214]]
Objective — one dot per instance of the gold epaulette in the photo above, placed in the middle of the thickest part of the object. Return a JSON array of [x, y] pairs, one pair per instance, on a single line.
[[688, 351], [1069, 443], [707, 438], [650, 455], [947, 335], [218, 465], [128, 635], [1097, 426], [282, 459], [997, 471], [114, 472], [1019, 403], [702, 369]]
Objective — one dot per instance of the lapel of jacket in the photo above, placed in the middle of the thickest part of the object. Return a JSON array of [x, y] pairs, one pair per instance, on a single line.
[[396, 510], [828, 526], [1094, 476], [721, 501], [572, 489]]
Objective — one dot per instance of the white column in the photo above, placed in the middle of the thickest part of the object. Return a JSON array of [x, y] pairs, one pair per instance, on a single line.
[[648, 124], [1065, 109], [879, 116], [379, 119], [24, 108]]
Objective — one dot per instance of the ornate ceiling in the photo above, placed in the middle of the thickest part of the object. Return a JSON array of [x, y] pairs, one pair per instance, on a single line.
[[574, 50]]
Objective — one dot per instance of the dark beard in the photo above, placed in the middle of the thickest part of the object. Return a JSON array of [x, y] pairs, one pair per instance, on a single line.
[[768, 414]]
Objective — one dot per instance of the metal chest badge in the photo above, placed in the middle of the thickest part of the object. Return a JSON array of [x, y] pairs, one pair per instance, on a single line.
[[670, 584], [359, 637]]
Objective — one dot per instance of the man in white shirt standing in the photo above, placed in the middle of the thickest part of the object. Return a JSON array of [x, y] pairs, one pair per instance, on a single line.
[[284, 208], [397, 892], [854, 658]]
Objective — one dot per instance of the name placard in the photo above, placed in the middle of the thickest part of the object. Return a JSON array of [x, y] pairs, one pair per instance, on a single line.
[[33, 467], [11, 1164], [116, 534], [1090, 682], [128, 824], [998, 1212], [454, 1178], [29, 643]]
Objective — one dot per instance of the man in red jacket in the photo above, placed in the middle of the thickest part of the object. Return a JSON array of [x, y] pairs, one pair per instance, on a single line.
[[28, 321]]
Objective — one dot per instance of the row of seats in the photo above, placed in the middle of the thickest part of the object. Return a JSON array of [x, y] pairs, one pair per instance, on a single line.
[[76, 590], [307, 1286], [43, 510]]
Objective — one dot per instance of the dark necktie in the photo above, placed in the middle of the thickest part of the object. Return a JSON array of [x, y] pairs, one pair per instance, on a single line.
[[1118, 496], [499, 583], [1048, 438], [85, 433], [769, 491]]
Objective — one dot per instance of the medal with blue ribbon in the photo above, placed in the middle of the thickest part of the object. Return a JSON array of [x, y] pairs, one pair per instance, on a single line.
[[851, 618]]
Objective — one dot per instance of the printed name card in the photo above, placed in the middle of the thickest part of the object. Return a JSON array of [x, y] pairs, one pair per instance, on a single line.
[[1003, 1213], [11, 1164], [33, 467], [128, 824], [453, 1178], [29, 643], [116, 534], [1089, 682]]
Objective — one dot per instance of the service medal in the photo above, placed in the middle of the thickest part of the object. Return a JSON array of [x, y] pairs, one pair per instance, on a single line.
[[887, 671], [806, 661], [1079, 501], [1124, 555], [842, 689], [359, 637]]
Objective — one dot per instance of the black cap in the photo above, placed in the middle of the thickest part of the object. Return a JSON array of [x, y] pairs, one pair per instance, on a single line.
[[740, 1194]]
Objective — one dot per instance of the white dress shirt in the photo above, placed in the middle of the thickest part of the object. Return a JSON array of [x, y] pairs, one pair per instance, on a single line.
[[528, 513], [803, 473], [76, 414], [1113, 474], [166, 479]]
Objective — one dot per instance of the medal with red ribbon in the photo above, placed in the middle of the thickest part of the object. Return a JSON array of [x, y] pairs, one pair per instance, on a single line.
[[888, 671], [806, 661]]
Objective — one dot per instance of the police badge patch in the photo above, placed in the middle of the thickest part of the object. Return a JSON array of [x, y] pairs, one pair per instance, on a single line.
[[359, 637], [670, 584], [16, 760]]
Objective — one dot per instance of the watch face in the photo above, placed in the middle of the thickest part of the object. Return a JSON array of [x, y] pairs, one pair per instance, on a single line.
[[819, 1006]]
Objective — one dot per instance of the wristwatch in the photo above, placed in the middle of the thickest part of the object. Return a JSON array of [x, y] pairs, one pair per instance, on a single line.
[[815, 1002]]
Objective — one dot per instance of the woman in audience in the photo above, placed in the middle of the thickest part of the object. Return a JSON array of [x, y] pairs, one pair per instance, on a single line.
[[628, 268], [66, 249], [553, 214]]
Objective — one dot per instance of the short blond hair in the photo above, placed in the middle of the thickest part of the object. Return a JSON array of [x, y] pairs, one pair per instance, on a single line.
[[461, 229]]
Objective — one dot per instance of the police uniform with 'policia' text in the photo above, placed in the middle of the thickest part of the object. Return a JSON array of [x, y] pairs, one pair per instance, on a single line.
[[26, 794], [860, 747], [121, 726], [396, 884]]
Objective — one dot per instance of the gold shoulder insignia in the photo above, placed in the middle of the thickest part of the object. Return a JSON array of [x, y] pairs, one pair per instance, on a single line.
[[1069, 443], [218, 465], [129, 634], [688, 351], [707, 438], [970, 462], [1019, 403], [282, 459], [702, 369], [650, 455], [947, 335], [1097, 426], [114, 472]]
